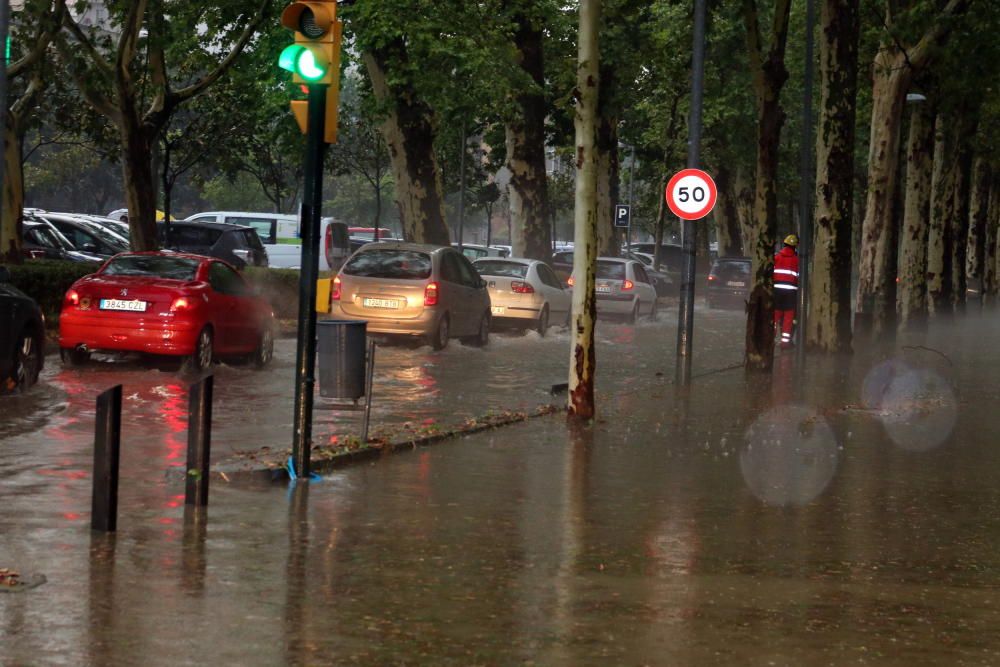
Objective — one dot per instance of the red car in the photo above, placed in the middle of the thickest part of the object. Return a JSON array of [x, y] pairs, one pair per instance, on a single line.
[[188, 306]]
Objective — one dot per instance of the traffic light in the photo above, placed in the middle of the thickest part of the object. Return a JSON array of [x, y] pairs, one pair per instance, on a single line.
[[314, 58]]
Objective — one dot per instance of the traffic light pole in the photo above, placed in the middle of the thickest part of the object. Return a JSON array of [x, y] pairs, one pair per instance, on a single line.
[[305, 354]]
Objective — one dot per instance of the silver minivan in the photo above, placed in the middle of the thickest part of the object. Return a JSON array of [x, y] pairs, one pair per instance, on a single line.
[[409, 289]]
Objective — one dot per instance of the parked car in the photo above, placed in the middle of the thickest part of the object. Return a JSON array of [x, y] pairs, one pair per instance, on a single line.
[[524, 292], [87, 236], [671, 257], [474, 251], [623, 288], [410, 289], [236, 244], [42, 240], [22, 337], [166, 303], [728, 282], [116, 226], [662, 281], [562, 263]]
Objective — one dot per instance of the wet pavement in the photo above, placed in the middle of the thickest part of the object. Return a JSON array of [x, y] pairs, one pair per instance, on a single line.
[[849, 515]]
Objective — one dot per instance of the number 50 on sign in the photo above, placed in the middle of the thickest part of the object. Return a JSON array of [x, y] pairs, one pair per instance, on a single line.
[[691, 194]]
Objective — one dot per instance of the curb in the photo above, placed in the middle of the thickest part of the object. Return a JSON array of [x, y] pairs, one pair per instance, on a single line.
[[269, 466]]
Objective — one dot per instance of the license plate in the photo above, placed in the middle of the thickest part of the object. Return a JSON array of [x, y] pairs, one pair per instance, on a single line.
[[603, 289], [498, 310], [380, 303], [135, 306], [736, 283]]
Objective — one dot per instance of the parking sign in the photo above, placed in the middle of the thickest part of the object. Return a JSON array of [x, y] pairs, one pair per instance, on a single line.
[[623, 215]]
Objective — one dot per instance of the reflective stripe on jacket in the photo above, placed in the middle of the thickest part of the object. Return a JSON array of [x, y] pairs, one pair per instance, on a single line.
[[786, 269]]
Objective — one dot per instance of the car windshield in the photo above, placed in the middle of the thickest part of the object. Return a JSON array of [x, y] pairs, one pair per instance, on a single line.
[[390, 263], [110, 238], [175, 268], [502, 269], [611, 270], [47, 238], [645, 259], [731, 270]]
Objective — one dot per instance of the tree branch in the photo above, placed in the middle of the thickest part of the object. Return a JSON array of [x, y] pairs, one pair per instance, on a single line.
[[177, 97], [100, 102], [99, 61], [128, 42], [752, 25], [920, 54], [47, 29]]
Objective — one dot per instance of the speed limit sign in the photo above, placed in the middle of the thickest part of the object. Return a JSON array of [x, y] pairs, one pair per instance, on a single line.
[[691, 194]]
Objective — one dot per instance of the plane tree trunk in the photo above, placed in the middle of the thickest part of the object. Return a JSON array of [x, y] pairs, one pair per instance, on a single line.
[[979, 201], [525, 139], [767, 65], [829, 321], [941, 204], [913, 247], [582, 363], [408, 130]]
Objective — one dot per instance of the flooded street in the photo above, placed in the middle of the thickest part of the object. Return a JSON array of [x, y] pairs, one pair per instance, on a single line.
[[849, 514]]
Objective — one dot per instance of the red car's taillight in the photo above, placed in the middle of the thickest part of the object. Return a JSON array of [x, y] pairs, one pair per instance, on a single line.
[[431, 294], [627, 285], [711, 278], [72, 298], [521, 288], [570, 281], [180, 303], [335, 292]]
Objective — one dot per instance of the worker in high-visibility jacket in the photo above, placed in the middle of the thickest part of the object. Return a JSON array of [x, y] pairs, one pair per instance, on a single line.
[[786, 288]]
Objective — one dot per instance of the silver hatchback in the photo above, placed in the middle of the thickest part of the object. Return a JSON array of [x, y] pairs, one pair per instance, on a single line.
[[409, 289]]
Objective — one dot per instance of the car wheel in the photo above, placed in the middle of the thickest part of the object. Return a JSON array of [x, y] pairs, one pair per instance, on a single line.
[[72, 356], [203, 353], [439, 340], [482, 338], [265, 348], [543, 321], [27, 360], [634, 315]]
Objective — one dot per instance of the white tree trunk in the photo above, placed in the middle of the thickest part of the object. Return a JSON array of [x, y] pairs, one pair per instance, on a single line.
[[942, 175], [913, 247], [582, 362]]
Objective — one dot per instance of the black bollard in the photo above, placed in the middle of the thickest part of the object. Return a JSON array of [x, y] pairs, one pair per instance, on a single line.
[[107, 448], [199, 442]]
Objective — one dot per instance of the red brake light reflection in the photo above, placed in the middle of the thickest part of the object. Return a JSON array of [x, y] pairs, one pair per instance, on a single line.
[[180, 303], [335, 292], [73, 297], [431, 294], [627, 285], [570, 281]]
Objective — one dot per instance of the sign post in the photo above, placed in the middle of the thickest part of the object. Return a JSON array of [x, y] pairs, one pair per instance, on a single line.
[[691, 195]]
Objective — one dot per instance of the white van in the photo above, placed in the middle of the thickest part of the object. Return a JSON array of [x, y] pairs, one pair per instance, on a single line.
[[280, 235]]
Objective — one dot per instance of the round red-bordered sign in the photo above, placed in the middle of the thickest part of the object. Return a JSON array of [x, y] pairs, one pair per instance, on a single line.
[[691, 194]]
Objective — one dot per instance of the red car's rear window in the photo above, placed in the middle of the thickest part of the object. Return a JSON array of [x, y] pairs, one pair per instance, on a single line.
[[175, 268]]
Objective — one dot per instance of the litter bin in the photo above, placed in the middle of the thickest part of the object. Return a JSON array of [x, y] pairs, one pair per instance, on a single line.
[[341, 351]]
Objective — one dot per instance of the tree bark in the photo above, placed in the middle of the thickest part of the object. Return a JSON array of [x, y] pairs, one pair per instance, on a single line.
[[769, 76], [408, 130], [743, 194], [12, 213], [829, 321], [892, 76], [991, 256], [582, 362], [725, 216], [916, 220], [941, 202], [525, 138], [979, 199], [608, 190]]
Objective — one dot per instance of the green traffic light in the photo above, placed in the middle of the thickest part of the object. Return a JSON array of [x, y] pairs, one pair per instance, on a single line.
[[302, 61]]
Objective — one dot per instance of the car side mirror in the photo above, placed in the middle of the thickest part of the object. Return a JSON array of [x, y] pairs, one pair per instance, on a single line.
[[4, 275], [88, 247]]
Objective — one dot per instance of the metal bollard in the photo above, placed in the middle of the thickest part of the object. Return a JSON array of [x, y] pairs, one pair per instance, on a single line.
[[107, 449], [199, 442]]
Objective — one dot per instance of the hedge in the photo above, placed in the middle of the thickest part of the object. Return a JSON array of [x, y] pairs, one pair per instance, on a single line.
[[46, 281]]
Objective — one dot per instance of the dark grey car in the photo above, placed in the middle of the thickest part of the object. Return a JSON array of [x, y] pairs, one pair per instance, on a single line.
[[22, 337], [236, 244]]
